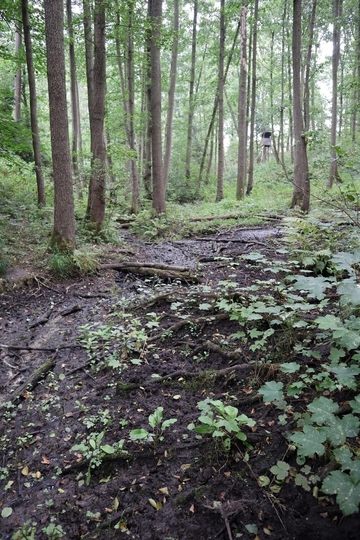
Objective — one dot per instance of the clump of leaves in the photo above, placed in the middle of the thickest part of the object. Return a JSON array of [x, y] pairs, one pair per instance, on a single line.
[[222, 421], [158, 426], [95, 452]]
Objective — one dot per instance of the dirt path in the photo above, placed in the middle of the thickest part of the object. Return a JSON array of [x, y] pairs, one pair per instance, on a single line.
[[84, 363]]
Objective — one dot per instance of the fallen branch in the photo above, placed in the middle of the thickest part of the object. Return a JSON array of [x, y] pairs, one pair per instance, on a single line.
[[51, 349], [31, 381], [177, 326], [150, 269], [123, 388]]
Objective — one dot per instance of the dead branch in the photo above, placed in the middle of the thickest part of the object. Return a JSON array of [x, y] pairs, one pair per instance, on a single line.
[[51, 349], [150, 269], [177, 326], [31, 381]]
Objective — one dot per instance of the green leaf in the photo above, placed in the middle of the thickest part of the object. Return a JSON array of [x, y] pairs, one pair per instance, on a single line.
[[355, 404], [272, 391], [289, 367], [346, 375], [309, 441], [316, 286], [302, 481], [156, 417], [280, 470], [205, 306], [346, 490], [6, 512], [168, 423], [139, 434], [328, 322], [341, 428], [108, 449], [203, 430], [323, 410]]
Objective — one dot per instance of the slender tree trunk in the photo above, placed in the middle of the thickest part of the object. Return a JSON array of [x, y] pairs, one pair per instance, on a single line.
[[171, 99], [242, 146], [158, 200], [282, 105], [96, 199], [63, 237], [134, 174], [89, 60], [334, 173], [221, 153], [214, 111], [253, 102], [74, 99], [291, 120], [308, 68], [301, 193], [17, 81], [191, 93], [41, 197]]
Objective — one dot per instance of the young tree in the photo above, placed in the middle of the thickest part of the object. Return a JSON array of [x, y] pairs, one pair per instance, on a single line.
[[171, 101], [253, 101], [221, 153], [158, 196], [63, 237], [242, 138], [301, 192], [41, 197], [334, 173], [191, 92]]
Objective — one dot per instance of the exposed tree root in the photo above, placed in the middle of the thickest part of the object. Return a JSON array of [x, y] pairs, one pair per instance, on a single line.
[[184, 322]]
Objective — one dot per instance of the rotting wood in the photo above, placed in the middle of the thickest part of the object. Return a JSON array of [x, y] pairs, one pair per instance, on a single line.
[[150, 269], [50, 349], [31, 381]]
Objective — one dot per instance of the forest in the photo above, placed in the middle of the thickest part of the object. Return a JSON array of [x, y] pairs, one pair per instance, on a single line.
[[179, 269]]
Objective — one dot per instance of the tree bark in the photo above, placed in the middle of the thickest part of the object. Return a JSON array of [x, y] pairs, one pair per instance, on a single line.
[[308, 67], [221, 153], [97, 186], [301, 193], [134, 173], [171, 100], [253, 102], [191, 93], [242, 135], [158, 198], [75, 116], [41, 196], [63, 237], [17, 81], [334, 173]]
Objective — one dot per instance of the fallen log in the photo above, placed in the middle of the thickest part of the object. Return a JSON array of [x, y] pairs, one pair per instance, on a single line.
[[31, 381], [163, 271]]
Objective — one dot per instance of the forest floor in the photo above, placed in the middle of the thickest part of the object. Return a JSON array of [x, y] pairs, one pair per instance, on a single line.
[[86, 361]]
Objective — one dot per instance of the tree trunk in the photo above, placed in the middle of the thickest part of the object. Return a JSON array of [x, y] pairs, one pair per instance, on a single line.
[[242, 146], [63, 237], [307, 68], [41, 197], [171, 100], [158, 199], [301, 193], [74, 100], [89, 60], [96, 198], [17, 81], [221, 153], [130, 119], [213, 115], [191, 93], [253, 102], [334, 173]]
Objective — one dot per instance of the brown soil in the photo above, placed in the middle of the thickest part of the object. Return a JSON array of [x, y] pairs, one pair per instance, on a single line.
[[181, 487]]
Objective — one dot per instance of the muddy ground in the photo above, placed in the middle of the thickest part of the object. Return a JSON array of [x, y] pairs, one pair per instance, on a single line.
[[98, 355]]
